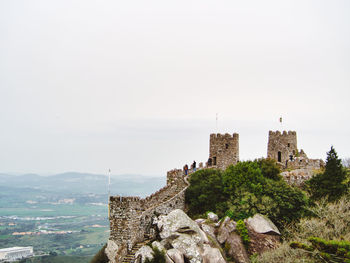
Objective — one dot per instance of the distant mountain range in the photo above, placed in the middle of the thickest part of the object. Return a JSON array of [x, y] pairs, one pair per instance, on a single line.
[[85, 183]]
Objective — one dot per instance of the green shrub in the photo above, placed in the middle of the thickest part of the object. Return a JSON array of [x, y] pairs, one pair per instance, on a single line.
[[158, 256], [101, 256], [243, 232], [206, 193], [251, 192], [243, 190]]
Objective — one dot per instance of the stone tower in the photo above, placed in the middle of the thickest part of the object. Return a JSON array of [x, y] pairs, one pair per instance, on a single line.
[[224, 150], [282, 146]]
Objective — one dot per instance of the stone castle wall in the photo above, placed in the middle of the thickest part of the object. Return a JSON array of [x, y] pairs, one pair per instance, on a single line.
[[282, 145], [305, 163], [223, 150], [131, 217]]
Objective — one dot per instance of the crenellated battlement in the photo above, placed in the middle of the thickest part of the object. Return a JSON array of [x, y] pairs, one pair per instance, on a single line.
[[224, 136], [284, 133]]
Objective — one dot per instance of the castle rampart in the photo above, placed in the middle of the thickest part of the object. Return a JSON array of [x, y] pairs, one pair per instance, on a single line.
[[131, 217]]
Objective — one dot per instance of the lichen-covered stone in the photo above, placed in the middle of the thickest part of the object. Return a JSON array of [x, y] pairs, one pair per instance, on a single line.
[[176, 255], [226, 227], [143, 253], [213, 217], [212, 255], [262, 225]]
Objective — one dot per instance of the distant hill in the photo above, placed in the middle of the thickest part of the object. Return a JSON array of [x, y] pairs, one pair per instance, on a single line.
[[84, 183]]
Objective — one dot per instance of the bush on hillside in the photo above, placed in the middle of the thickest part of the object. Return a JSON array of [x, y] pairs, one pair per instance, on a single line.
[[206, 193], [243, 190], [332, 182], [251, 192], [269, 168]]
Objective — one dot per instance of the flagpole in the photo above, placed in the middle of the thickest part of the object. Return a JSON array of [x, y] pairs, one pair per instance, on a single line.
[[109, 189]]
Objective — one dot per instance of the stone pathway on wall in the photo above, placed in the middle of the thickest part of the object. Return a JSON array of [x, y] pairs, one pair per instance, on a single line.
[[130, 257]]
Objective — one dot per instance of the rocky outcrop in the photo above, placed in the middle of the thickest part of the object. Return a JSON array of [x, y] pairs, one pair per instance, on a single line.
[[143, 253], [207, 240]]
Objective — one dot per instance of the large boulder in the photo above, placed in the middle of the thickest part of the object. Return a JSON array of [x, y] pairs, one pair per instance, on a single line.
[[212, 217], [175, 255], [143, 253], [177, 222], [227, 226], [180, 232], [263, 234], [212, 255], [234, 248], [189, 246], [209, 230], [262, 225]]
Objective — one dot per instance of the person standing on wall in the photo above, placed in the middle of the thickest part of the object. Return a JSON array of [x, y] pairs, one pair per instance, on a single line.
[[186, 169], [194, 166]]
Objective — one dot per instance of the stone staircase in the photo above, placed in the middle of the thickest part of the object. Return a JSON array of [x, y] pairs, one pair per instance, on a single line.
[[130, 257]]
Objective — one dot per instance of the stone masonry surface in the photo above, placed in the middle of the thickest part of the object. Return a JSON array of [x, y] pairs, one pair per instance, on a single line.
[[223, 150]]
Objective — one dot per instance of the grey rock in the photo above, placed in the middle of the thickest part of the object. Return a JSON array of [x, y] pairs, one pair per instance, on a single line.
[[177, 222], [189, 246], [209, 230], [143, 253], [175, 255], [212, 255], [213, 217], [226, 227], [199, 221], [236, 248], [262, 225]]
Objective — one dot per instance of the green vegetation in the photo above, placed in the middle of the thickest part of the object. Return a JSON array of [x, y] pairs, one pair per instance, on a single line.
[[332, 182], [158, 256], [205, 192], [243, 232], [243, 190], [331, 221], [326, 251]]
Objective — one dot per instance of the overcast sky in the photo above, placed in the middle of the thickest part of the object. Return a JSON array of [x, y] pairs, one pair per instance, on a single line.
[[135, 86]]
